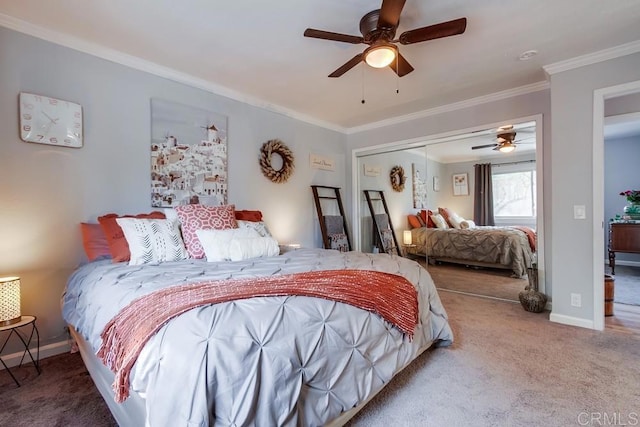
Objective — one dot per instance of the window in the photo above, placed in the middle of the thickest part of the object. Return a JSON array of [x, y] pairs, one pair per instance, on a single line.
[[514, 194]]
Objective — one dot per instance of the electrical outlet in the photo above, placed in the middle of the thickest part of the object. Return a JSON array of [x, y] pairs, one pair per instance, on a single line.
[[576, 300]]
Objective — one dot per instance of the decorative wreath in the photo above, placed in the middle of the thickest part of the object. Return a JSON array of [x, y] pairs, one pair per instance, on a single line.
[[275, 146], [397, 178]]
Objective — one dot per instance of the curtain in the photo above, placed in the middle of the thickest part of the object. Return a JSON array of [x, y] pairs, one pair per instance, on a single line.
[[483, 195]]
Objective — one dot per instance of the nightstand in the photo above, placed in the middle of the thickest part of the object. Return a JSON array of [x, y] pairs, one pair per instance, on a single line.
[[410, 251], [15, 329]]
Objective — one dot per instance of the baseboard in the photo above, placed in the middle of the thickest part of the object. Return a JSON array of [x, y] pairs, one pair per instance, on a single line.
[[48, 350], [572, 321]]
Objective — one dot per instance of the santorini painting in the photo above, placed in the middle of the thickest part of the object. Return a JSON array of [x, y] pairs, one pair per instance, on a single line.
[[188, 155]]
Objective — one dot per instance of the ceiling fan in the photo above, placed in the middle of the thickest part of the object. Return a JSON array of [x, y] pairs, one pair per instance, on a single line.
[[505, 140], [378, 29]]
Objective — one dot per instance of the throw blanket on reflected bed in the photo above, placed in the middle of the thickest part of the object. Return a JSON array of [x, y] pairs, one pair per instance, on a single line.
[[391, 296]]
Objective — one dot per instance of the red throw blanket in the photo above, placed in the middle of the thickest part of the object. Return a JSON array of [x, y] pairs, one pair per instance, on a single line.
[[531, 235], [391, 296]]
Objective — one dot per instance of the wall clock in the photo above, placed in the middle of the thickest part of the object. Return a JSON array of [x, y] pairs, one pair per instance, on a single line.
[[50, 121]]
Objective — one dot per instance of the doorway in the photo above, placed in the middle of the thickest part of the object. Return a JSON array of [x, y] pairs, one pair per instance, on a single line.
[[598, 226]]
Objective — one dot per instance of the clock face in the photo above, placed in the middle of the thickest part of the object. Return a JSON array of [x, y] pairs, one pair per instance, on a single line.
[[50, 121]]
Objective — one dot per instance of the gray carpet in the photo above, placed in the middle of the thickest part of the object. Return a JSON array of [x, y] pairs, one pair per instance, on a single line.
[[507, 367], [627, 285]]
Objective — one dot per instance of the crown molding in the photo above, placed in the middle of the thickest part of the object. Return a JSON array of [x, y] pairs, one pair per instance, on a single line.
[[139, 64], [472, 102], [593, 58]]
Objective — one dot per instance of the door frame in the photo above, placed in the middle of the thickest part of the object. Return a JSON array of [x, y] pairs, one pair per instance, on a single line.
[[425, 141], [599, 98]]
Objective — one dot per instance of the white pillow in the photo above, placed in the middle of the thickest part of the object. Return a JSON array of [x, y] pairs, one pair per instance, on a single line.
[[439, 221], [467, 223], [455, 220], [152, 240], [259, 226], [217, 243], [253, 247]]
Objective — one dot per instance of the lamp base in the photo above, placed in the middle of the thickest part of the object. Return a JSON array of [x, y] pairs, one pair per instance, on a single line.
[[10, 321]]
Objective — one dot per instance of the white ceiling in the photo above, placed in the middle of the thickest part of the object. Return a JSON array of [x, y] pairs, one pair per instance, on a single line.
[[255, 51]]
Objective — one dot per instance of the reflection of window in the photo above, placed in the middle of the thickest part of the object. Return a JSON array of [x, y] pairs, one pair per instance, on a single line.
[[514, 194]]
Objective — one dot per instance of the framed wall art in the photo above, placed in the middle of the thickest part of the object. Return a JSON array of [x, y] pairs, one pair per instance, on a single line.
[[188, 155], [419, 187], [460, 184]]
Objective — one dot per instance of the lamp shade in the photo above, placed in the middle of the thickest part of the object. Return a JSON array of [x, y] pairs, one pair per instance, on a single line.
[[9, 300], [506, 147], [380, 55], [406, 237]]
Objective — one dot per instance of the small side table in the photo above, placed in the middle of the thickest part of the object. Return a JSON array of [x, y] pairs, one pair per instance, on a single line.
[[26, 341], [410, 251]]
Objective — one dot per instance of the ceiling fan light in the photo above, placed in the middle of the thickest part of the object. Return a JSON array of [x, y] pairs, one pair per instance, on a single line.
[[507, 147], [380, 56]]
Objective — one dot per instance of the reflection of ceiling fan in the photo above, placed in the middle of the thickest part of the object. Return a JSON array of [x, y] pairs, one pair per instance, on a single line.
[[505, 140], [378, 29]]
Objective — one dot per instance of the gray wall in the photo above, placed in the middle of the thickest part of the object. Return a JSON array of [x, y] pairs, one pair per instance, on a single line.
[[621, 172], [571, 241], [47, 191]]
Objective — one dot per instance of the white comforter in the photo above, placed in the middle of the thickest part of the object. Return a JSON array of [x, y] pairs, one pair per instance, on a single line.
[[263, 361]]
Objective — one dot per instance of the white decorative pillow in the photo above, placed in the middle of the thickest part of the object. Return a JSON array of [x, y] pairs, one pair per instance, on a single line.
[[217, 243], [439, 221], [467, 223], [259, 226], [455, 220], [152, 240], [253, 247]]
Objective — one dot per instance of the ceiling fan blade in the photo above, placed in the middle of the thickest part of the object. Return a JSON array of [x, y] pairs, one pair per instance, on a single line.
[[328, 35], [404, 67], [347, 66], [437, 31], [390, 13], [477, 147]]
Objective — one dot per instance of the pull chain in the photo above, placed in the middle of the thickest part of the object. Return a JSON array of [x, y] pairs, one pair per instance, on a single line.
[[397, 73], [362, 67]]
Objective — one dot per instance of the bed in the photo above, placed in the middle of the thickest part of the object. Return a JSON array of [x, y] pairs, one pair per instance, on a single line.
[[498, 247], [263, 361]]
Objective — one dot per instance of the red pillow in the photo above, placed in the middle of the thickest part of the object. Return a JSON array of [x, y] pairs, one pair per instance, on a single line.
[[426, 217], [253, 216], [94, 241], [200, 217], [414, 222], [118, 245]]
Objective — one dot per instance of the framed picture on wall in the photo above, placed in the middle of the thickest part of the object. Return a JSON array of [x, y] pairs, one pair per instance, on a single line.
[[460, 184], [436, 183]]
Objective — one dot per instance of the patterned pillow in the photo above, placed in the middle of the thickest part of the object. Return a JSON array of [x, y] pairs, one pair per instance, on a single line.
[[259, 226], [199, 217], [439, 221], [115, 237], [152, 240]]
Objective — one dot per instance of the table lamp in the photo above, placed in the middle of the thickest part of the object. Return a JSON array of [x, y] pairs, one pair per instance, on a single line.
[[406, 237], [9, 300]]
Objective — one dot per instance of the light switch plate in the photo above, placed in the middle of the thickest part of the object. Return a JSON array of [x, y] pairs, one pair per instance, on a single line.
[[579, 212]]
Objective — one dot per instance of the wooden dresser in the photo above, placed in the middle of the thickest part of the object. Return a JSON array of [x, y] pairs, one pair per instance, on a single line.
[[623, 237]]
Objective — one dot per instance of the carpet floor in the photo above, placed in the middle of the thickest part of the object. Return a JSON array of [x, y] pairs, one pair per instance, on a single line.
[[507, 367]]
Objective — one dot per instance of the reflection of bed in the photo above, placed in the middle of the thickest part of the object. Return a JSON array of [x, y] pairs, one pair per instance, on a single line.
[[278, 360], [501, 247]]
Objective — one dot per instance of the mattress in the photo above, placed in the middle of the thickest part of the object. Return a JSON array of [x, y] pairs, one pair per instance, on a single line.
[[263, 361]]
